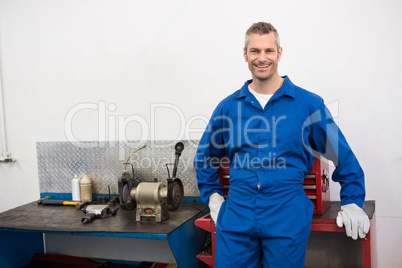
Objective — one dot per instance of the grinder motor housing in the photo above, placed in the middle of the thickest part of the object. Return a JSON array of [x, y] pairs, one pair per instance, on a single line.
[[151, 198]]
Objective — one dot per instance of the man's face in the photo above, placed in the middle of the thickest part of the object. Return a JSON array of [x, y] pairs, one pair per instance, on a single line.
[[262, 55]]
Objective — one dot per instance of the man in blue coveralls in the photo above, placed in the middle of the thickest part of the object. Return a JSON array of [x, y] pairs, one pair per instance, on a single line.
[[270, 130]]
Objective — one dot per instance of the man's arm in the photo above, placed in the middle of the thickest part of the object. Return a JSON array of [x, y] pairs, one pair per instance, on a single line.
[[328, 140], [206, 163]]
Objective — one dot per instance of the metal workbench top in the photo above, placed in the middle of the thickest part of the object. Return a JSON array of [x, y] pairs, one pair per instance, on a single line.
[[335, 207], [67, 219]]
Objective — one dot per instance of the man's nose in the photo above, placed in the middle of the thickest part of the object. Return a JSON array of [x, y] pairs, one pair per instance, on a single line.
[[262, 56]]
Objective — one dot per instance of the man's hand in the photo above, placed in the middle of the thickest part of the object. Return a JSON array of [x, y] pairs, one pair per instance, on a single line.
[[355, 221], [215, 203]]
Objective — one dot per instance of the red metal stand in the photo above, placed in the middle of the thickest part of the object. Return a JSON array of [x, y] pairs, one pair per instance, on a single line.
[[207, 224], [369, 243]]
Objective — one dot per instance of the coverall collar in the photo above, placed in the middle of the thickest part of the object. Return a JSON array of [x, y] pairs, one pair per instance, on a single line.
[[287, 88]]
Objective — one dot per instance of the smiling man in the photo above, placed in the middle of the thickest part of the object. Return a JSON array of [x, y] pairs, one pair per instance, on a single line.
[[262, 52], [270, 130]]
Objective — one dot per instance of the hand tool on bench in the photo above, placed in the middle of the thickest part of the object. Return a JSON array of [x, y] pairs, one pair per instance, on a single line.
[[59, 202]]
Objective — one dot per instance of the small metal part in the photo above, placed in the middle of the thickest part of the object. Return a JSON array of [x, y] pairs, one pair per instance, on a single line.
[[101, 200], [114, 211], [7, 158], [112, 202], [88, 218], [325, 181], [80, 205], [41, 200], [309, 187]]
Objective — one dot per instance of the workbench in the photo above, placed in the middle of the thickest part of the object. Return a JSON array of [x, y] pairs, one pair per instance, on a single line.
[[33, 228]]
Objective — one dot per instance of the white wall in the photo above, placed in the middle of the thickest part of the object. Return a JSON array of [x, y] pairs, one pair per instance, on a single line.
[[59, 54]]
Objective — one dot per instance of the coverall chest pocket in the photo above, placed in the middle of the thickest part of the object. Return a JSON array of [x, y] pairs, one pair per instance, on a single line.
[[286, 133]]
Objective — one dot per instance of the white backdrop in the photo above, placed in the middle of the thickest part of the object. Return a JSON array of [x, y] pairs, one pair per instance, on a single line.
[[118, 59]]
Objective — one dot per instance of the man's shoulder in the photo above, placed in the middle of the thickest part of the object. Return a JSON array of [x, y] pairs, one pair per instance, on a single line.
[[227, 103], [307, 96], [231, 99]]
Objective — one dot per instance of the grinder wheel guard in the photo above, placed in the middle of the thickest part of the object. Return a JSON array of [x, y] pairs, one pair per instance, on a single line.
[[125, 195], [126, 183], [175, 195]]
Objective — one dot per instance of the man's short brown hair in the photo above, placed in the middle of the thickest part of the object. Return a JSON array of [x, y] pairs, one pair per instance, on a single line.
[[262, 28]]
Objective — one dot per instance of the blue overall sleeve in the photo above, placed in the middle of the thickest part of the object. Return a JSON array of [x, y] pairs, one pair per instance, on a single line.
[[328, 140], [206, 160]]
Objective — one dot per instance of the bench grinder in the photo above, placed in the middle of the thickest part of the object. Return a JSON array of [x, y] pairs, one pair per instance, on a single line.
[[152, 200]]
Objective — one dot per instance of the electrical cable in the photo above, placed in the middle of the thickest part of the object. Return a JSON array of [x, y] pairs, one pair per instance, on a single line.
[[190, 205], [168, 164], [128, 159]]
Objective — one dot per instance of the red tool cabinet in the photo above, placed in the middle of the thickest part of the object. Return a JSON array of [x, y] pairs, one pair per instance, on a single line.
[[316, 183]]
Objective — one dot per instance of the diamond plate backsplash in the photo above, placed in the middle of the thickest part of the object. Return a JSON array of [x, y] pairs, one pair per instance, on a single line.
[[59, 162]]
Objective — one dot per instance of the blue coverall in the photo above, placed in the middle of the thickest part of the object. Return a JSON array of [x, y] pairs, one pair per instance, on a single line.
[[266, 217]]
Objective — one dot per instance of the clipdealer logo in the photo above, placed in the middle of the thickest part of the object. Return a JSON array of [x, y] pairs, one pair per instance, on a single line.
[[112, 127]]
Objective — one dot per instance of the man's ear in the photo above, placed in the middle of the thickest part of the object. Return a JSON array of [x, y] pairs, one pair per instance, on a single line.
[[245, 54], [280, 50]]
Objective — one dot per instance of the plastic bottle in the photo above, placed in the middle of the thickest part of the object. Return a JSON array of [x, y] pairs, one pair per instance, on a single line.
[[86, 189], [75, 189]]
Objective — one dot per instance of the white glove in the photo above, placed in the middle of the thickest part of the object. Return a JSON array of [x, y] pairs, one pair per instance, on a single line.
[[354, 219], [215, 203]]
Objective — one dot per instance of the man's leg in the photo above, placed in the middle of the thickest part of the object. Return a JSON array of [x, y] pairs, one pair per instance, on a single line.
[[285, 252], [235, 244], [285, 234], [237, 250]]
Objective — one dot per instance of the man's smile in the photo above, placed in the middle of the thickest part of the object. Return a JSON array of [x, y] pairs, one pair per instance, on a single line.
[[262, 66]]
